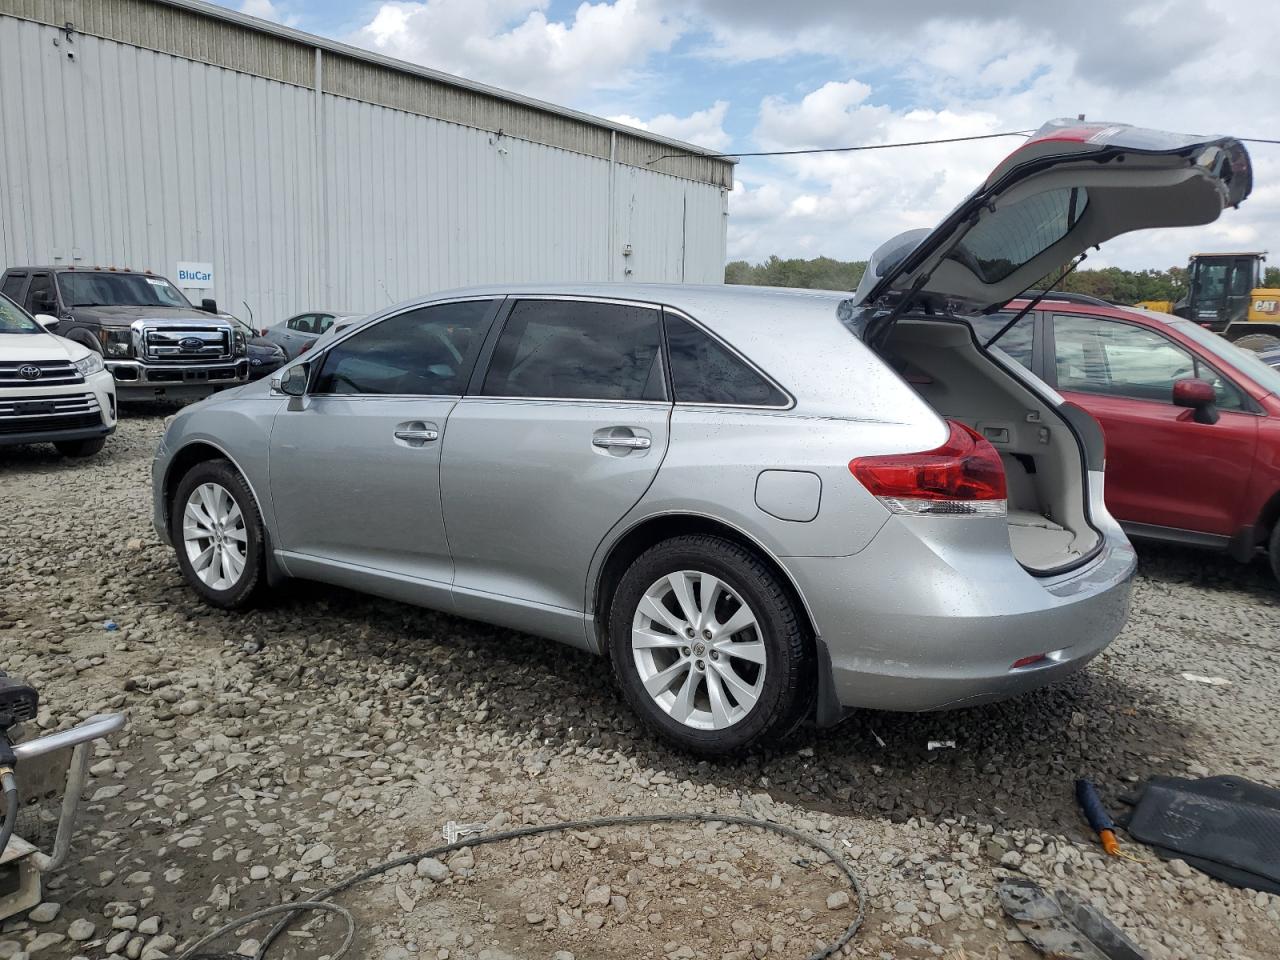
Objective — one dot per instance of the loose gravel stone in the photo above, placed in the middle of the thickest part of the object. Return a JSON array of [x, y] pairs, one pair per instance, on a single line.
[[45, 912]]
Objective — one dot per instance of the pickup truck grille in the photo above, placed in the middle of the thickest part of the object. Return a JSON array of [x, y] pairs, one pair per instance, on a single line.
[[53, 373], [36, 412], [185, 345]]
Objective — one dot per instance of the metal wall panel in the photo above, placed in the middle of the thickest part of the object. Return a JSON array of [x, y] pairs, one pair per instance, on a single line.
[[196, 30], [135, 158]]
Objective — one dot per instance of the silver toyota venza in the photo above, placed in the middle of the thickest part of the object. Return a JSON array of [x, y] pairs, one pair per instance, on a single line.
[[761, 506]]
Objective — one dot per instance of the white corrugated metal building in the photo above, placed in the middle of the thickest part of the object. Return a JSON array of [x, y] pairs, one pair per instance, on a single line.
[[311, 174]]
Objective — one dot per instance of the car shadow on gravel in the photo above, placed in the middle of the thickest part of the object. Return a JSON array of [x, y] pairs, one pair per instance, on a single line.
[[1013, 764], [1177, 566]]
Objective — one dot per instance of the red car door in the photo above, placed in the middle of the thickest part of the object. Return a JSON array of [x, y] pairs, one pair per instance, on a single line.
[[1163, 468]]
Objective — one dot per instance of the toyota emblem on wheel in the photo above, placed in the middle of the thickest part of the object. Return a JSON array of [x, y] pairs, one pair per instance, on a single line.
[[29, 371]]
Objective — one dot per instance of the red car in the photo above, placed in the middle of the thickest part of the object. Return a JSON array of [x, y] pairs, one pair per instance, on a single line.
[[1192, 422]]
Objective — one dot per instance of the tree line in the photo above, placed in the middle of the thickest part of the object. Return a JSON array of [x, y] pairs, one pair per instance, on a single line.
[[1108, 283]]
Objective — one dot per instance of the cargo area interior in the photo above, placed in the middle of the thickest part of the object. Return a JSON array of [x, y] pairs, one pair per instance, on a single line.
[[1048, 523]]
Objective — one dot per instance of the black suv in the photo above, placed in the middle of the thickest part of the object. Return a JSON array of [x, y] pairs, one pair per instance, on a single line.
[[154, 342]]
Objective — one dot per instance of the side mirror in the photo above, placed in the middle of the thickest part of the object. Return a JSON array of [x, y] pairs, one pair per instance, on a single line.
[[208, 305], [1198, 396], [293, 383], [47, 320]]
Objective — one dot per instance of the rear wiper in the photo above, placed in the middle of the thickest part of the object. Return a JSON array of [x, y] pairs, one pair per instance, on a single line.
[[1031, 305]]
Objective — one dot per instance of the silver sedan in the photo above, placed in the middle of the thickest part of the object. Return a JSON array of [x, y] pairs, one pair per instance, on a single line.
[[297, 334]]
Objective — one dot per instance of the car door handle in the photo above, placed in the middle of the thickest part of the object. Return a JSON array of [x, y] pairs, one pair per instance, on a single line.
[[631, 443], [422, 435]]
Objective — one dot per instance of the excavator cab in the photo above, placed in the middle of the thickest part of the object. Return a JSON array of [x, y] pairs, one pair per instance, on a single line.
[[1220, 288]]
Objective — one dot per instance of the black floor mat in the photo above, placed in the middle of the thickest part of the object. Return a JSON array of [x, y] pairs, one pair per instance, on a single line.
[[1226, 826]]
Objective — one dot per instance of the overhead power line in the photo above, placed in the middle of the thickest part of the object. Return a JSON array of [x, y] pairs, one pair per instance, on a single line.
[[870, 146], [882, 146]]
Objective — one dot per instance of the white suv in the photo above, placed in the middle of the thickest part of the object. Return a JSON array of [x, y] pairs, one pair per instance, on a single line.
[[51, 390]]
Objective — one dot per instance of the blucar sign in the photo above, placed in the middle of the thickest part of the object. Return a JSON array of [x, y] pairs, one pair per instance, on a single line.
[[197, 276]]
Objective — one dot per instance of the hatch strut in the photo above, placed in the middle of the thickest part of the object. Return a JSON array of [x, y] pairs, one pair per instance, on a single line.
[[1034, 301]]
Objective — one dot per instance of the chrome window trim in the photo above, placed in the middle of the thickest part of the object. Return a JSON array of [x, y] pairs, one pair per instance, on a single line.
[[791, 399], [656, 404], [384, 396]]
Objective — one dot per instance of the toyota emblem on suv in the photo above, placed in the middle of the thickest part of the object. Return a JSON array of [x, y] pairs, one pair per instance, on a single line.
[[190, 344], [29, 371]]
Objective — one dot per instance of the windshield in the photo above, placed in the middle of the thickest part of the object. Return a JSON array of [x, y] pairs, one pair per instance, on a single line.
[[13, 319], [119, 290], [1244, 360]]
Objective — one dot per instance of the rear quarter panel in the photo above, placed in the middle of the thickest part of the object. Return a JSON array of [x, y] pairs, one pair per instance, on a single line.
[[716, 456]]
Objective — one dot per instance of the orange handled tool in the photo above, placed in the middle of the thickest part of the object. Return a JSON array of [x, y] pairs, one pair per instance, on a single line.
[[1096, 814]]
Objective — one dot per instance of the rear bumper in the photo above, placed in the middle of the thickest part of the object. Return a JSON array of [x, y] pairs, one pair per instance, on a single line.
[[934, 612]]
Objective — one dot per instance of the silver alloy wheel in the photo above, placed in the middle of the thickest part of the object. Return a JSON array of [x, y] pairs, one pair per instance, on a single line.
[[698, 650], [214, 534]]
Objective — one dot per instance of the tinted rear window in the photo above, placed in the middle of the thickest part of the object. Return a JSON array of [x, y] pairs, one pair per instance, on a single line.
[[578, 350], [705, 371], [1018, 232]]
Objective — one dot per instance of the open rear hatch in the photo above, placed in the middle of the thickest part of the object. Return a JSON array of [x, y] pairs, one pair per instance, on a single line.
[[1071, 186]]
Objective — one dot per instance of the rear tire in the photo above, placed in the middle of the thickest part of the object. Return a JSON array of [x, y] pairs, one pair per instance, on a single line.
[[217, 533], [712, 680], [80, 448], [1273, 551], [1257, 342]]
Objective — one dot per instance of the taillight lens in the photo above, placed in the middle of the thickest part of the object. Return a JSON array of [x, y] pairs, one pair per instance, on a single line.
[[964, 477]]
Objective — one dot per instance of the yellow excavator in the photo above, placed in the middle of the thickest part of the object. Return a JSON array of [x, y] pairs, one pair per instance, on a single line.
[[1225, 294]]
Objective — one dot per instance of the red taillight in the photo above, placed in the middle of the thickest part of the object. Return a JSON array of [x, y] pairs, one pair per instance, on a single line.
[[963, 477]]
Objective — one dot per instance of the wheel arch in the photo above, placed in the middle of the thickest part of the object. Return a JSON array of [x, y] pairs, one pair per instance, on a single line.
[[1268, 517], [202, 451], [652, 530]]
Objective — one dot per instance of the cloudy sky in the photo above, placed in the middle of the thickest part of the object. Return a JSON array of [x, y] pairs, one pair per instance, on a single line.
[[749, 75]]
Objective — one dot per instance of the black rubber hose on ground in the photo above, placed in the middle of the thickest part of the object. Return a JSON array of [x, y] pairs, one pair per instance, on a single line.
[[320, 902]]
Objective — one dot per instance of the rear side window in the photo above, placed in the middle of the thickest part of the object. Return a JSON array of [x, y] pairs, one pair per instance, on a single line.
[[703, 370], [578, 350], [424, 352], [13, 286], [40, 294], [1018, 340]]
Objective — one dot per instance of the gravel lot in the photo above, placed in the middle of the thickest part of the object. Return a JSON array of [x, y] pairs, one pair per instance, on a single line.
[[271, 754]]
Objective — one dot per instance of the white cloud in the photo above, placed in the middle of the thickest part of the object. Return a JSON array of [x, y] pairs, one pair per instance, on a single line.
[[703, 128], [266, 10], [976, 77], [513, 44]]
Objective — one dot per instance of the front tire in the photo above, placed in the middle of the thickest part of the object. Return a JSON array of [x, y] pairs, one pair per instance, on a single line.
[[80, 448], [217, 532], [1273, 551], [709, 647]]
